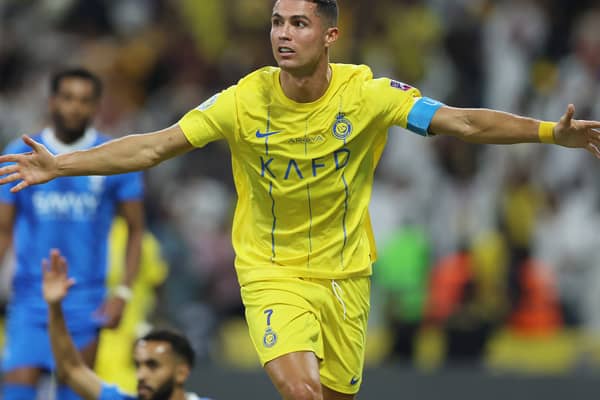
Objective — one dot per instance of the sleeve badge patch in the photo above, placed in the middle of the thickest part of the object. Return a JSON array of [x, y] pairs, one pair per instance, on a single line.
[[400, 85]]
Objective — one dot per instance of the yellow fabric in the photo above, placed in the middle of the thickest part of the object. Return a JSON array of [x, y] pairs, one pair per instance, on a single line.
[[333, 326], [303, 171], [546, 132], [114, 363]]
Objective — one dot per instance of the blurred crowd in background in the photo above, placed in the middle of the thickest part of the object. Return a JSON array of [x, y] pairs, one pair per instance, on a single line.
[[485, 252]]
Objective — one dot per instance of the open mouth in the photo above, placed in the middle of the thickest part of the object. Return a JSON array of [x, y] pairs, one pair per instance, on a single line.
[[285, 50]]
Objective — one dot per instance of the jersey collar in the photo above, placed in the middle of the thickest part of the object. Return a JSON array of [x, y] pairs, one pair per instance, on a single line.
[[324, 99]]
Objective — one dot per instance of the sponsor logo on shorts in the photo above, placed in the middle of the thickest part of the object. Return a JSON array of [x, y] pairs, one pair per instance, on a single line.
[[354, 380]]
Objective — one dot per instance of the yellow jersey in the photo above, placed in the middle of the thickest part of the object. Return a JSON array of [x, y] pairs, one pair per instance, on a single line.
[[304, 171]]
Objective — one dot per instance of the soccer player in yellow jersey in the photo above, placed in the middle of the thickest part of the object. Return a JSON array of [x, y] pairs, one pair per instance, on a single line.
[[305, 139]]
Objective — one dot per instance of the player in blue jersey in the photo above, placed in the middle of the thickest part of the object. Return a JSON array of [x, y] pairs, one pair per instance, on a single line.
[[306, 137], [74, 215], [163, 359]]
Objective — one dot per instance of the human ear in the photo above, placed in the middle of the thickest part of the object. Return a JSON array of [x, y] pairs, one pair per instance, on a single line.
[[331, 36]]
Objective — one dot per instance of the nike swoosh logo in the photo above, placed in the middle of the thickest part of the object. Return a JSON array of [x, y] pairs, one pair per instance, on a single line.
[[261, 135], [354, 380]]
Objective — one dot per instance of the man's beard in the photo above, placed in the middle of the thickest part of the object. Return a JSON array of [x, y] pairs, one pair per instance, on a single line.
[[164, 391], [71, 134]]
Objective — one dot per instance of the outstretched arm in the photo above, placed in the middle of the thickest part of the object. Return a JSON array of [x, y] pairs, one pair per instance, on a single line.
[[126, 154], [70, 366], [495, 127]]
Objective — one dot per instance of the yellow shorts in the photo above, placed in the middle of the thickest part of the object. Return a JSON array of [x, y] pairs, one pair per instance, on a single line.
[[328, 318]]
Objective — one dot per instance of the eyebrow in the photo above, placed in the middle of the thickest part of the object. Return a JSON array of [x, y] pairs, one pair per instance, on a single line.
[[277, 15]]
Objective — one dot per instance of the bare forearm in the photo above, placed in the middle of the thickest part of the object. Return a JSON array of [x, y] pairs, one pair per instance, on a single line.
[[71, 368], [485, 126], [130, 153], [133, 253], [133, 214], [65, 353]]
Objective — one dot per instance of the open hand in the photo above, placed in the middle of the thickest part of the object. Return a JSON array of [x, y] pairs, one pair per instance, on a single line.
[[570, 132], [56, 283], [37, 166]]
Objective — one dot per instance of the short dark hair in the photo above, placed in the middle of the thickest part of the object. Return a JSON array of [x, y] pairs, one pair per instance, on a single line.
[[328, 9], [76, 72], [180, 344]]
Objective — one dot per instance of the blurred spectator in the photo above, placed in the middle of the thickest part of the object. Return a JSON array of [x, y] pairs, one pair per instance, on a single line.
[[453, 306], [402, 271], [513, 36]]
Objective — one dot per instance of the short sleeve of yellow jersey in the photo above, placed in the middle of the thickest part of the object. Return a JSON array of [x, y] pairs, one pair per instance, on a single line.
[[400, 104], [212, 120]]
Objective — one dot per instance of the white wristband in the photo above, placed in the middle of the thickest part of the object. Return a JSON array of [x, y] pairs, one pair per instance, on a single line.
[[123, 292]]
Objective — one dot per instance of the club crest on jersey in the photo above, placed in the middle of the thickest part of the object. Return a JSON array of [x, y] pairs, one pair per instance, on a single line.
[[270, 338], [342, 127]]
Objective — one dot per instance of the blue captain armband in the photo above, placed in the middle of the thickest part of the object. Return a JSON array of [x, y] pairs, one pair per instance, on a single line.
[[420, 116]]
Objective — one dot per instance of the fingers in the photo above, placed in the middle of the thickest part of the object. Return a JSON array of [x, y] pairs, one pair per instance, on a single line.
[[568, 116], [112, 317], [15, 158], [593, 125], [30, 142], [9, 158], [9, 169], [22, 185], [10, 178], [101, 310], [63, 264], [11, 173], [45, 266], [57, 262], [594, 139], [594, 149]]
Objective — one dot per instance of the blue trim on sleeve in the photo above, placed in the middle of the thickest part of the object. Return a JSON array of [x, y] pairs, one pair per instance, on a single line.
[[420, 116]]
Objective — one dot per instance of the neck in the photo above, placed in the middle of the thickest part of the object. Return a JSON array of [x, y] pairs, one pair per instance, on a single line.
[[306, 88], [178, 394]]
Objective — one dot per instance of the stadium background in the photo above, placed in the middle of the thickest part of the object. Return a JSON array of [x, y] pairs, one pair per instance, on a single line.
[[488, 283]]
